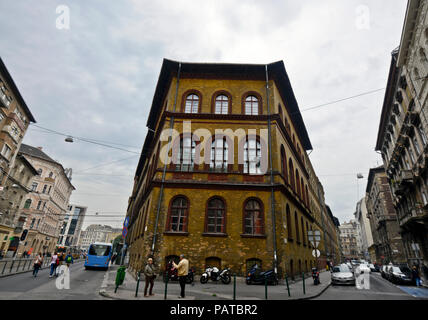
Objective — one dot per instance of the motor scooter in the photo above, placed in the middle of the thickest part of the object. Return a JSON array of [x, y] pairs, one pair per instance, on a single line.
[[256, 276], [172, 274], [316, 276]]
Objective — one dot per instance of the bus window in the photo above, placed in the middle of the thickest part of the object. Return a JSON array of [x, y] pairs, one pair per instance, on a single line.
[[99, 250]]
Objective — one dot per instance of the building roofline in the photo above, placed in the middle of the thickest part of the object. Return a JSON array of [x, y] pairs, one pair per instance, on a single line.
[[388, 99], [15, 90], [412, 12], [276, 72]]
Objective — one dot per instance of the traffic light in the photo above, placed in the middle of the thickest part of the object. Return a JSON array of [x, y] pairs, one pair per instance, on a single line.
[[24, 234]]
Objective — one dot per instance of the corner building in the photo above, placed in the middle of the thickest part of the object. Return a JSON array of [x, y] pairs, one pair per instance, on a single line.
[[238, 206]]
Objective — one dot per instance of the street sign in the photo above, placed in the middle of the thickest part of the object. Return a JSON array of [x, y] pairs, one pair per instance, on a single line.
[[316, 253], [124, 232], [314, 237], [126, 222]]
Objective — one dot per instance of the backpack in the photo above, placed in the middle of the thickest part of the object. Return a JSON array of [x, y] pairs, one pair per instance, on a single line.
[[69, 259]]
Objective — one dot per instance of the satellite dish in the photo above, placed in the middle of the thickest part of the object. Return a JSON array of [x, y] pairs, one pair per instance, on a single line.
[[360, 176], [69, 139]]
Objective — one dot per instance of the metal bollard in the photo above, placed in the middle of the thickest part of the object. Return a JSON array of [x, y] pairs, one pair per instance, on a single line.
[[11, 267], [288, 287], [304, 289], [19, 263], [166, 286], [266, 293], [234, 286], [4, 267], [138, 284]]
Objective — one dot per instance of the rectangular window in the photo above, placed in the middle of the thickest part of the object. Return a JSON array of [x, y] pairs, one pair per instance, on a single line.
[[38, 205], [34, 186], [6, 151]]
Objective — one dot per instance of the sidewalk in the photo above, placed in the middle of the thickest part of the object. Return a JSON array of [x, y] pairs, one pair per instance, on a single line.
[[211, 290]]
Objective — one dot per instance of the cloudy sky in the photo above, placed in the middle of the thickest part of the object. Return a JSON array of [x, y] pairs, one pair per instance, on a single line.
[[96, 80]]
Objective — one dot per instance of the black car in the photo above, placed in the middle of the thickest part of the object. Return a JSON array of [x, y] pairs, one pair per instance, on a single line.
[[399, 275]]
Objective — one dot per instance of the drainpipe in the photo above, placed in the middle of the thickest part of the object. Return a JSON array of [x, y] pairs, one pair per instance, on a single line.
[[171, 126], [272, 196]]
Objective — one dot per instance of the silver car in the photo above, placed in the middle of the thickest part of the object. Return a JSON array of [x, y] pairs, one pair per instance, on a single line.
[[342, 275]]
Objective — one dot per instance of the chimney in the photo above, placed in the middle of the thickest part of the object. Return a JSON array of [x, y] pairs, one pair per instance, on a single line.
[[40, 148]]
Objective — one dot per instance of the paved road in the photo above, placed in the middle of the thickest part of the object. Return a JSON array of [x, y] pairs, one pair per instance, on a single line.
[[380, 289], [84, 285]]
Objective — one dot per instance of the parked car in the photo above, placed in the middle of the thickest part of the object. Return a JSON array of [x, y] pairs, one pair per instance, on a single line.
[[342, 275], [349, 265], [372, 267], [399, 275]]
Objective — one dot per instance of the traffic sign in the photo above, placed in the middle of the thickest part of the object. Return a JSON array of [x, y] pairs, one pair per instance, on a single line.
[[316, 253], [124, 232], [126, 222]]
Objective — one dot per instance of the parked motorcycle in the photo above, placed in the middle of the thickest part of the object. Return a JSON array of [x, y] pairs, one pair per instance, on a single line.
[[316, 276], [172, 273], [256, 276], [215, 274]]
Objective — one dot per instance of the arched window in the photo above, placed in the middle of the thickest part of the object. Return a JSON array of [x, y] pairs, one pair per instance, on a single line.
[[192, 103], [307, 228], [303, 231], [291, 175], [307, 196], [216, 216], [253, 218], [51, 175], [289, 227], [297, 183], [284, 163], [252, 106], [297, 228], [219, 155], [252, 156], [40, 171], [221, 104], [178, 213], [186, 154], [302, 186], [27, 204]]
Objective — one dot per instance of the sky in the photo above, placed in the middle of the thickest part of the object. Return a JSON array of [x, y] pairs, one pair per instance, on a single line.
[[96, 79]]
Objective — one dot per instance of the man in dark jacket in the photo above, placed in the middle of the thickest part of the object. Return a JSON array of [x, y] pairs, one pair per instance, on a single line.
[[149, 272], [416, 276]]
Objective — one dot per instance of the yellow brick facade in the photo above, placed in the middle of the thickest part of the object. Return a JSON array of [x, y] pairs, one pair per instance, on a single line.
[[233, 248]]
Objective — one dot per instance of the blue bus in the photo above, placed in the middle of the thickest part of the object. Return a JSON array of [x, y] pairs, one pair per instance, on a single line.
[[99, 255]]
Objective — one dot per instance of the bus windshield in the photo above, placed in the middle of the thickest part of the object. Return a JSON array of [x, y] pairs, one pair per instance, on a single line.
[[99, 250]]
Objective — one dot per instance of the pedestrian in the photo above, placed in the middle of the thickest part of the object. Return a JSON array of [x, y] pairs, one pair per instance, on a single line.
[[416, 276], [37, 264], [183, 270], [149, 273], [69, 259], [113, 258], [54, 264]]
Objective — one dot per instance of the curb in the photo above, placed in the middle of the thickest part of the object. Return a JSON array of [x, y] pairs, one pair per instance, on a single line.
[[317, 295]]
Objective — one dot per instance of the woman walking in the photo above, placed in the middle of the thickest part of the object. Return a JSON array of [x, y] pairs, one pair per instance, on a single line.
[[54, 264], [37, 264], [149, 272]]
